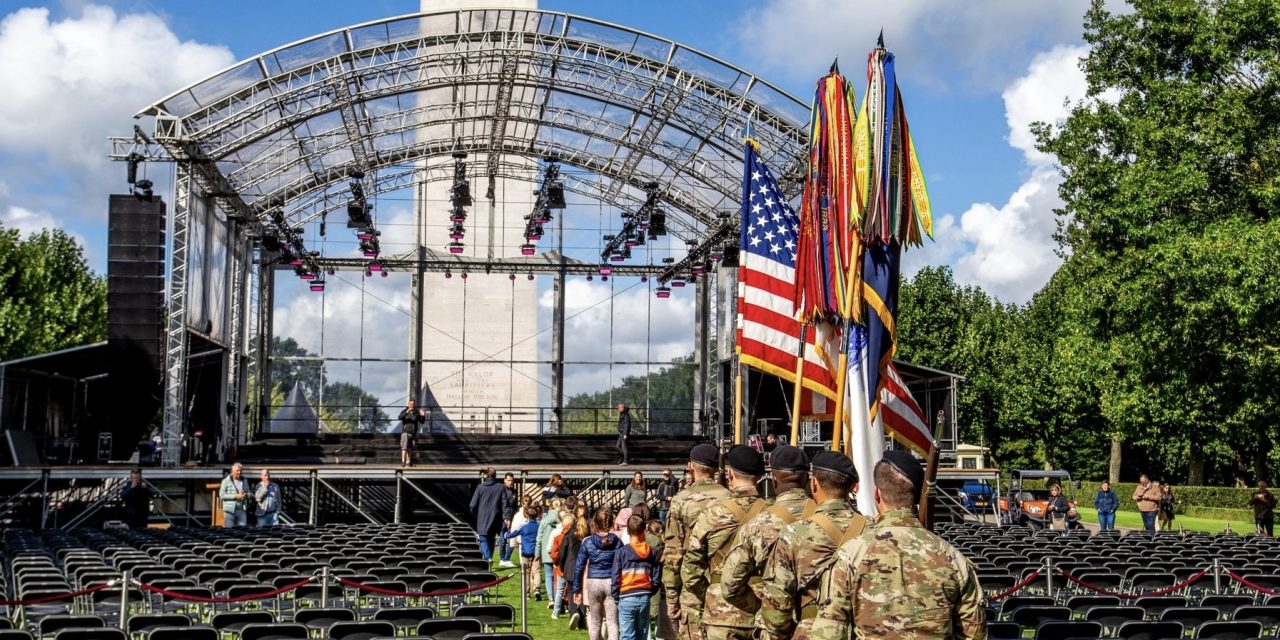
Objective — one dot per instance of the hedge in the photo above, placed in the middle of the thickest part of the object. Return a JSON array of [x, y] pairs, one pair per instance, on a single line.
[[1204, 500]]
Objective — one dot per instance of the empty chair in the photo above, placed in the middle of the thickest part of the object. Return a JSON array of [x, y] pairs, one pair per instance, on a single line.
[[365, 630], [405, 617], [80, 633], [1230, 630], [1226, 604], [182, 633], [322, 619], [449, 628], [1113, 617], [1013, 603], [1080, 604], [491, 615], [50, 625], [1147, 630], [1003, 631], [1267, 615], [1155, 605], [1190, 617], [234, 621], [498, 636], [1033, 617], [277, 631], [1063, 630], [14, 634], [146, 621]]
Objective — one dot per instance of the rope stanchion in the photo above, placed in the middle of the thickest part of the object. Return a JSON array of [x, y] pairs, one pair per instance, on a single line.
[[1015, 588], [1252, 585], [423, 594], [58, 597], [1194, 578], [178, 595]]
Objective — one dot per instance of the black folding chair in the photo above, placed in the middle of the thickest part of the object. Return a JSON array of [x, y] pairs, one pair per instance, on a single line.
[[449, 628], [1230, 630], [1065, 630], [1148, 630]]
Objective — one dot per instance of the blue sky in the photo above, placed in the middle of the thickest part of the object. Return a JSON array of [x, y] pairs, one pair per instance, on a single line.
[[974, 76]]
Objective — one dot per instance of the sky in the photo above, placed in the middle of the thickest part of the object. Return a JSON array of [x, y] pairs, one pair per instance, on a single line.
[[974, 76]]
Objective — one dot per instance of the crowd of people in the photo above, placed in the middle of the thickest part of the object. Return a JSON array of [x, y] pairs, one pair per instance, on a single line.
[[698, 559]]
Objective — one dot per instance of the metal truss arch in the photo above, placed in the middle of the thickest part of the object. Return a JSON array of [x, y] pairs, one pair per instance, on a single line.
[[629, 106]]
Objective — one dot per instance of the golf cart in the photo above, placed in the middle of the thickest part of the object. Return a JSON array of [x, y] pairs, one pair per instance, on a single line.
[[1028, 498]]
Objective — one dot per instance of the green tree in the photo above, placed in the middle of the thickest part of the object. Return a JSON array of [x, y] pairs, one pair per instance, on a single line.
[[51, 299], [661, 402], [1171, 183], [344, 407]]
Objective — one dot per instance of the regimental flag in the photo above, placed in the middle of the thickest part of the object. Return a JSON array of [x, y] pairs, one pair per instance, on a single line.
[[866, 444], [890, 399], [768, 332]]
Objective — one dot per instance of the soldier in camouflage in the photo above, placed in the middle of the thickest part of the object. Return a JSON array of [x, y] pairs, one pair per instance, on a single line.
[[744, 565], [898, 579], [709, 542], [704, 462], [805, 549]]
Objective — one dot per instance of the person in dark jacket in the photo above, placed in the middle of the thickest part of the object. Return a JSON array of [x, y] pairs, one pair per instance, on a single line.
[[1264, 507], [624, 432], [487, 505], [568, 560], [635, 580], [667, 489], [137, 501], [510, 503], [1056, 508], [594, 574], [1106, 503]]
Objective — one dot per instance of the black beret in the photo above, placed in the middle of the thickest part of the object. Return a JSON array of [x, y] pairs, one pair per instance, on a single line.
[[705, 455], [788, 458], [835, 462], [907, 465], [744, 459]]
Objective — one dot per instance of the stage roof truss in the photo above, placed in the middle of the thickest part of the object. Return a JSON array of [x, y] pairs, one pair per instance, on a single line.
[[286, 130]]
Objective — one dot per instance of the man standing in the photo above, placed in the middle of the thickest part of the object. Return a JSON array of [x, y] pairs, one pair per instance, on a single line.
[[486, 505], [704, 463], [898, 579], [1264, 508], [234, 495], [666, 490], [806, 549], [1106, 502], [267, 495], [410, 418], [744, 565], [136, 496], [624, 431], [1147, 496], [709, 542]]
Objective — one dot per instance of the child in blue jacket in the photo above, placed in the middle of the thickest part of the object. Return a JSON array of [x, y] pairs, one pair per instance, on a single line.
[[528, 534]]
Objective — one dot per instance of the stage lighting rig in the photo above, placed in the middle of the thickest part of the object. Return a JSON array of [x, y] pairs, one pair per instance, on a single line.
[[359, 212], [618, 246], [460, 192]]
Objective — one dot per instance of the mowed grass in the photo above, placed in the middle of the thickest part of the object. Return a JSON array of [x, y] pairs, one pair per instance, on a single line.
[[1131, 519]]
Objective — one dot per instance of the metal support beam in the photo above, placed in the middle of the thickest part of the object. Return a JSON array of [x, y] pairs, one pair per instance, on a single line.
[[350, 503], [399, 495], [502, 109], [415, 333], [702, 341], [313, 511], [432, 500], [175, 384], [266, 329]]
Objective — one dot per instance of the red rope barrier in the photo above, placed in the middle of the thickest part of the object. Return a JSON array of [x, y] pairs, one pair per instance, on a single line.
[[1252, 585], [420, 594], [1015, 588], [178, 595], [1134, 596], [57, 596]]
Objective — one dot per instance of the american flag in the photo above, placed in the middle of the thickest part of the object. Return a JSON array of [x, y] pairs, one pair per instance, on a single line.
[[768, 332]]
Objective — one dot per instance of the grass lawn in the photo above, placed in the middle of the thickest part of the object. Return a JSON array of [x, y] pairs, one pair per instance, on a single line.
[[1131, 519]]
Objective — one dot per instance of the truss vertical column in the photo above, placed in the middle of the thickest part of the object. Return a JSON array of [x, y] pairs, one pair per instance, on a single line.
[[175, 354], [713, 393], [233, 418], [702, 351], [254, 350], [419, 309], [266, 308]]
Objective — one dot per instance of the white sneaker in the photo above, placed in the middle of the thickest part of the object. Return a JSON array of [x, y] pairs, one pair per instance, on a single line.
[[507, 564]]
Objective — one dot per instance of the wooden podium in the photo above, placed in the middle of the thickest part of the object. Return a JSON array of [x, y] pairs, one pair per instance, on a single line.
[[215, 511]]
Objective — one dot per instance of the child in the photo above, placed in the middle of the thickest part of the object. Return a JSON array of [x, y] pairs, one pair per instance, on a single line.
[[557, 572], [528, 534], [635, 580]]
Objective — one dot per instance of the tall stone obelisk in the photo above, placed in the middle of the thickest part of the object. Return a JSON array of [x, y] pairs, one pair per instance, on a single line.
[[480, 331]]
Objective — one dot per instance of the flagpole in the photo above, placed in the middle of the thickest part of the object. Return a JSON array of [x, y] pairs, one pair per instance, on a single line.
[[931, 474], [798, 392], [842, 380]]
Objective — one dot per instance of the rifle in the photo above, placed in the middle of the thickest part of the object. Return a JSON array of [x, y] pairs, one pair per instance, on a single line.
[[931, 474]]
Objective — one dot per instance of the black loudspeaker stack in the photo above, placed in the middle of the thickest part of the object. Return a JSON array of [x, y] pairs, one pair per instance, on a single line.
[[135, 320]]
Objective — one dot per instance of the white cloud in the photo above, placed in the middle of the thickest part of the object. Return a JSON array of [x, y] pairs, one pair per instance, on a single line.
[[1009, 249], [978, 44], [29, 222]]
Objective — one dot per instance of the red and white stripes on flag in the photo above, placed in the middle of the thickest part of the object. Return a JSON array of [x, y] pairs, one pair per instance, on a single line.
[[902, 417]]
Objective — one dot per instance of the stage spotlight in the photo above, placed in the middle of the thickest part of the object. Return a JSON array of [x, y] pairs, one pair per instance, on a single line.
[[697, 270], [677, 282], [329, 271], [457, 232], [605, 270], [527, 249], [604, 278], [458, 215], [270, 243], [358, 215], [460, 195], [455, 247], [644, 278], [590, 277], [384, 274], [730, 255], [663, 292], [317, 285], [531, 276], [447, 274], [464, 275], [375, 266], [617, 257], [512, 277]]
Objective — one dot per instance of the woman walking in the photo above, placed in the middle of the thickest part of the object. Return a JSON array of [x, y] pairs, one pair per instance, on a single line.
[[1167, 504]]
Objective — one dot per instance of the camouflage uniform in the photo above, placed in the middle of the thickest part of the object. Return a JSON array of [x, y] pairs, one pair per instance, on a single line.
[[703, 598], [740, 574], [899, 580], [685, 507], [789, 593]]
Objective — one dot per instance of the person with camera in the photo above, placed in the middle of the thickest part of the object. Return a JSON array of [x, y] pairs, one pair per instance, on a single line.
[[235, 497], [410, 418], [136, 496], [267, 496]]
